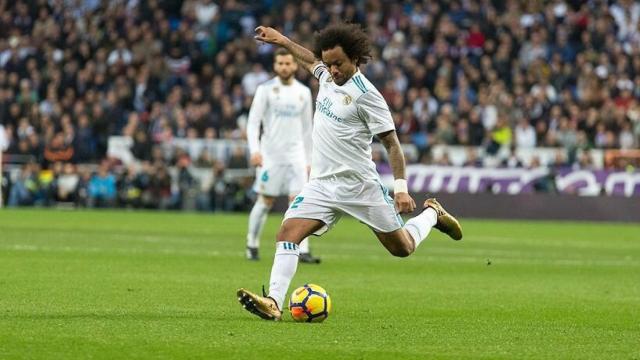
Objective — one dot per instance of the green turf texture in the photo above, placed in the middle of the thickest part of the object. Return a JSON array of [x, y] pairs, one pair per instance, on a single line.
[[105, 285]]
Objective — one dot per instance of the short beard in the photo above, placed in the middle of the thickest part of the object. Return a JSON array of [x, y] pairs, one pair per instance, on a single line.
[[286, 79]]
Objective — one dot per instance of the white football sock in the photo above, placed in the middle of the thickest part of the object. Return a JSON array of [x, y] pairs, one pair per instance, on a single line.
[[285, 263], [304, 246], [257, 218], [419, 226]]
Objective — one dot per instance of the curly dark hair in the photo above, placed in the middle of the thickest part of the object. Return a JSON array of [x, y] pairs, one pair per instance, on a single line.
[[351, 37]]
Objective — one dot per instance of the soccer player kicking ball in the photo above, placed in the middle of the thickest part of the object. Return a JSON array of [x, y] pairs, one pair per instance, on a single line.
[[282, 155], [349, 112]]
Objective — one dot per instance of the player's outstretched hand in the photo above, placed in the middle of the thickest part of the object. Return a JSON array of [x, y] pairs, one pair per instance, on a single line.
[[404, 203], [256, 159], [269, 35]]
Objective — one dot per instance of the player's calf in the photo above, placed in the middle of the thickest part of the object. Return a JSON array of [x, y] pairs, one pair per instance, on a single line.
[[399, 243]]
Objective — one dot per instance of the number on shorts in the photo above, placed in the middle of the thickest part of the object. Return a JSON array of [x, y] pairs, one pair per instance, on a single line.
[[296, 202]]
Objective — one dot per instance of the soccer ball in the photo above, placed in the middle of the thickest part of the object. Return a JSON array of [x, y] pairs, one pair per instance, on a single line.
[[309, 303]]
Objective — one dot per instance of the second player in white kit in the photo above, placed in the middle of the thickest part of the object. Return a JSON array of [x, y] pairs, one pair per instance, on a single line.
[[282, 109]]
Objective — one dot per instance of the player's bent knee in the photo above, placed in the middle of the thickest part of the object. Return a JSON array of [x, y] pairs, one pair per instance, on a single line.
[[288, 233], [403, 250], [295, 230], [398, 243], [282, 234]]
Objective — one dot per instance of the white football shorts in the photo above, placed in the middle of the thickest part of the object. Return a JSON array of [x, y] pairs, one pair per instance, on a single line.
[[280, 180], [328, 199]]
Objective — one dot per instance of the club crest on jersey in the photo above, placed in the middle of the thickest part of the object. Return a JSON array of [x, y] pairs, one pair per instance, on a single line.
[[276, 89], [329, 78], [346, 100]]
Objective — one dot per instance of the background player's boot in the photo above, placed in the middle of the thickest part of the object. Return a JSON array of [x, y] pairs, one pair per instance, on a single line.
[[252, 254], [307, 258], [262, 306], [446, 222]]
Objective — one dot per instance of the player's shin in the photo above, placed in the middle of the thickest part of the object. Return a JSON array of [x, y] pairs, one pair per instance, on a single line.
[[419, 226], [285, 264], [257, 218]]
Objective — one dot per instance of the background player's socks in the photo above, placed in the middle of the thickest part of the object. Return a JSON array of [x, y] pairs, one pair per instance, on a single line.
[[305, 253], [304, 246], [285, 263], [257, 218], [419, 226]]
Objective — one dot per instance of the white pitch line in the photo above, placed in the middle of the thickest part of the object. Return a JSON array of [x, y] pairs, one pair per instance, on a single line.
[[497, 261]]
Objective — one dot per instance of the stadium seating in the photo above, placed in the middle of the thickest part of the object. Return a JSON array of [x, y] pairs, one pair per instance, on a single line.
[[489, 84]]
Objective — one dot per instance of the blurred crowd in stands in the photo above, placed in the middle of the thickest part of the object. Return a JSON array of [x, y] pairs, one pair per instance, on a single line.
[[485, 73], [144, 187]]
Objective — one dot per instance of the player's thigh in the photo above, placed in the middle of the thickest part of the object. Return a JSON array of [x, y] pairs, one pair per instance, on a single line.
[[271, 181], [313, 203], [295, 180], [296, 229], [369, 203], [398, 242], [374, 207]]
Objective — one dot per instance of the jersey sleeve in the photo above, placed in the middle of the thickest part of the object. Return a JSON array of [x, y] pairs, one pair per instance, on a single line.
[[321, 72], [375, 112], [258, 109]]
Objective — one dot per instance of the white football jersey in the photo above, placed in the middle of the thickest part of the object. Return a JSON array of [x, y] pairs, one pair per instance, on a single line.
[[285, 114], [346, 119]]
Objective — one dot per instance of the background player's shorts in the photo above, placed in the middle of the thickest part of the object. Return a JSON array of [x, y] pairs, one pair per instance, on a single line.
[[327, 199], [280, 180]]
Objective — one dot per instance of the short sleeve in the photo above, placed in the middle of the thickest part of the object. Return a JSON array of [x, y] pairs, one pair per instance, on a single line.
[[375, 112], [320, 71]]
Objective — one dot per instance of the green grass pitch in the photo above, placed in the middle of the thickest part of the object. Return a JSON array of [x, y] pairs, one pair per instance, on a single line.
[[93, 284]]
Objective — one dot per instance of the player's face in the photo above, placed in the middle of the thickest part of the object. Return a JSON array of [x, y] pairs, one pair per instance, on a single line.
[[285, 66], [340, 66]]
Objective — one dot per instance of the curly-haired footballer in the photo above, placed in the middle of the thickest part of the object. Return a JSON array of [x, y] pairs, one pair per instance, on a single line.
[[349, 112]]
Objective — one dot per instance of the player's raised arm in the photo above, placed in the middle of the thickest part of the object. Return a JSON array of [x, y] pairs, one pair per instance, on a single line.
[[404, 203], [303, 55]]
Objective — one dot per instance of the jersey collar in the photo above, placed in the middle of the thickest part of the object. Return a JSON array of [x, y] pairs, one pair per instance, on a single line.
[[352, 76]]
